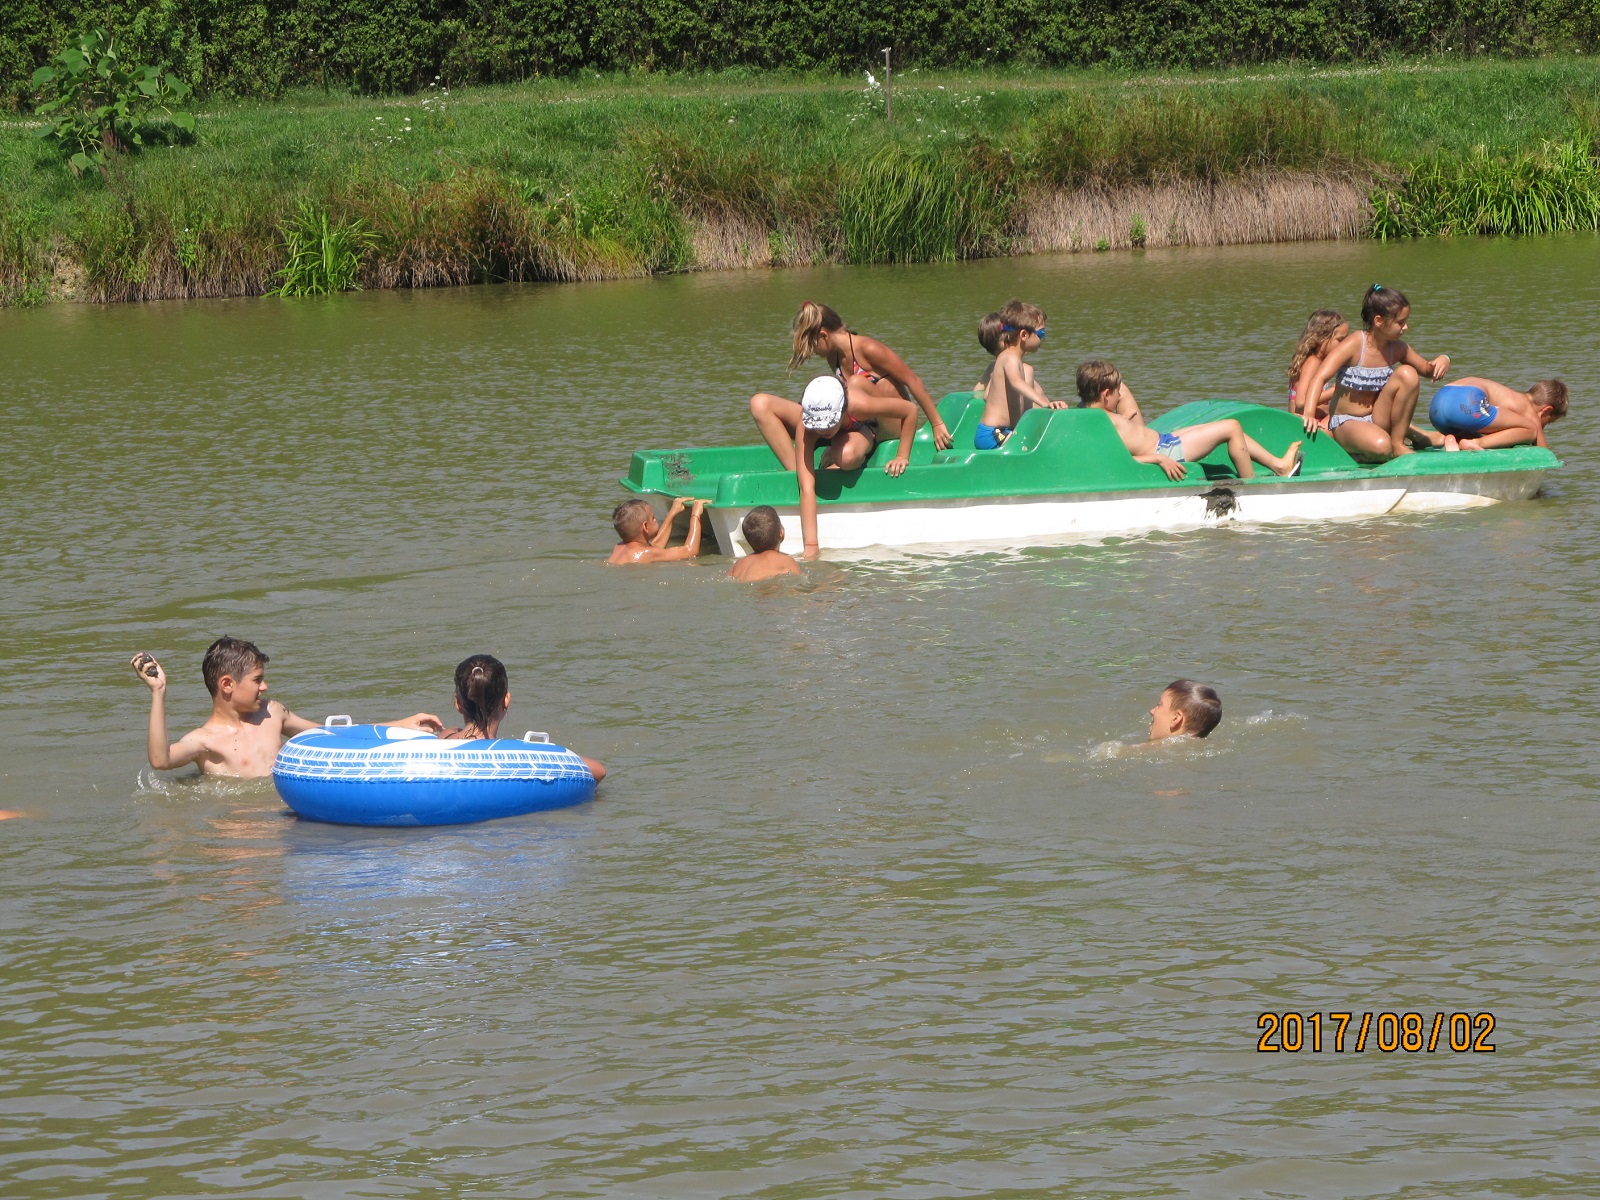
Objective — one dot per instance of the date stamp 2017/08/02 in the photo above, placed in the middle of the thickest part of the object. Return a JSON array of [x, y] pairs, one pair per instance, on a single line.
[[1341, 1032]]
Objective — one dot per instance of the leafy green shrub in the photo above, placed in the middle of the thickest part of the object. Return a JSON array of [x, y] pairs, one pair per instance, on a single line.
[[322, 255], [97, 104], [258, 47]]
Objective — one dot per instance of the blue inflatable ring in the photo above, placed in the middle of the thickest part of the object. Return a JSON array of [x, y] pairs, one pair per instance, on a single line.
[[382, 775]]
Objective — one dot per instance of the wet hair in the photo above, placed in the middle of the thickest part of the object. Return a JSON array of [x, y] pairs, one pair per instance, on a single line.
[[811, 320], [1019, 316], [989, 332], [1382, 301], [1319, 328], [1095, 377], [1198, 702], [628, 518], [230, 656], [762, 528], [481, 687], [1552, 392]]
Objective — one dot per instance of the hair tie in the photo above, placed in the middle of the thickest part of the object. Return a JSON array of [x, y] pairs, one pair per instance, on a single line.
[[1377, 287]]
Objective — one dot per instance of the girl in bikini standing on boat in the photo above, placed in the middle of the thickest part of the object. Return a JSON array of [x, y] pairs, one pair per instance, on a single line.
[[1377, 377], [878, 387]]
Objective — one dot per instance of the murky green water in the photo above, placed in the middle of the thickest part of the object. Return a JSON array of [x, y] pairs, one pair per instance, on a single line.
[[870, 905]]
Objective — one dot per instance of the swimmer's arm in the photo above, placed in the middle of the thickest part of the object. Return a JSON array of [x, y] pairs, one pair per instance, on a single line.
[[664, 534], [893, 368], [295, 724], [691, 544], [596, 768], [805, 469], [187, 749]]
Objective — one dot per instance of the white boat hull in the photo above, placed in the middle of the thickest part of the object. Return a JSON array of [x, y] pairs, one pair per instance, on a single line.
[[1050, 520]]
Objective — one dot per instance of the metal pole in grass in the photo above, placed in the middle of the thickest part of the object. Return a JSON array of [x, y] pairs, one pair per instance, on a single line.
[[888, 87]]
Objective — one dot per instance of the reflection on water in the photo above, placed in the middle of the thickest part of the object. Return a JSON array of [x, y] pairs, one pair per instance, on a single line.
[[882, 898]]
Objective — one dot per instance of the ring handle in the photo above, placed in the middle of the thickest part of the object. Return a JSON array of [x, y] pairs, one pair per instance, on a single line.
[[536, 735], [332, 721]]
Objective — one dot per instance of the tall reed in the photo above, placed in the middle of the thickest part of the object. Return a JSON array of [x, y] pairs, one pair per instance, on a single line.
[[915, 205], [1554, 189], [1156, 138]]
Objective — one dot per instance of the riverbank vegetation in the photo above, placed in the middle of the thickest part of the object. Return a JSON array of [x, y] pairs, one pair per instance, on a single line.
[[260, 48], [609, 176]]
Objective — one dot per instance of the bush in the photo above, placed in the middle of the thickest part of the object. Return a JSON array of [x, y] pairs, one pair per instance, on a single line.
[[96, 103], [256, 47]]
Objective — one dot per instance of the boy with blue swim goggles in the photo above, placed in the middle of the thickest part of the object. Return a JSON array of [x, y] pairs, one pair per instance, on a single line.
[[1009, 389]]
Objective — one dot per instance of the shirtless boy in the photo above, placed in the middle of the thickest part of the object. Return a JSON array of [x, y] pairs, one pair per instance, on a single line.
[[1186, 709], [1100, 385], [764, 531], [1010, 390], [244, 732], [1480, 414], [644, 539]]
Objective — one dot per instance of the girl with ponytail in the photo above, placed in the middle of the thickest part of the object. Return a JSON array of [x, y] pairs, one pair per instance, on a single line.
[[878, 387], [483, 694]]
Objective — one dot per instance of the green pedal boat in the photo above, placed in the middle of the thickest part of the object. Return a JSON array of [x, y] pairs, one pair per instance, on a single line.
[[1064, 476]]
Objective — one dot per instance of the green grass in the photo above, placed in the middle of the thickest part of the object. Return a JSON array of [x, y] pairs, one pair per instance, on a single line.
[[601, 175]]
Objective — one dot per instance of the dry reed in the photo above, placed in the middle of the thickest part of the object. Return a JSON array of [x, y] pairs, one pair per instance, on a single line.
[[1273, 207]]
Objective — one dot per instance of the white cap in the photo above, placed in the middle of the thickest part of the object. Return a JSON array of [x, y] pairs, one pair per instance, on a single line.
[[822, 407]]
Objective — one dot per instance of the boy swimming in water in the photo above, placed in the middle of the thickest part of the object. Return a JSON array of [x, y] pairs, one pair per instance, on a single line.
[[245, 729], [1186, 709], [1480, 414], [1099, 386], [644, 539], [1010, 389], [764, 531]]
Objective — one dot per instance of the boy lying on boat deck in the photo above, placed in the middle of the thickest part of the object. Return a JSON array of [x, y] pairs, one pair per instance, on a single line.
[[1186, 709], [1100, 386], [1480, 414], [763, 529], [644, 539]]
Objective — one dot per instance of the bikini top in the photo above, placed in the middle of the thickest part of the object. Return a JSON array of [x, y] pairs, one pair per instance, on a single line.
[[1364, 379], [855, 364]]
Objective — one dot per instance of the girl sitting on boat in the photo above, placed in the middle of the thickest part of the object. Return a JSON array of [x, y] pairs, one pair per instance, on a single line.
[[878, 387], [483, 694], [1324, 330], [1376, 377]]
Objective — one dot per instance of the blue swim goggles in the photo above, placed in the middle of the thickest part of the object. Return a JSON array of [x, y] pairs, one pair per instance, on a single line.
[[1038, 333]]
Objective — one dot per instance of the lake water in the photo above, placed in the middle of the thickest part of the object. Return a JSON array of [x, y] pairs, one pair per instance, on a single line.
[[875, 902]]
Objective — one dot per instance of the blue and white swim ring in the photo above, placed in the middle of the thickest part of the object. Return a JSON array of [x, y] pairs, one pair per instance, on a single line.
[[385, 775]]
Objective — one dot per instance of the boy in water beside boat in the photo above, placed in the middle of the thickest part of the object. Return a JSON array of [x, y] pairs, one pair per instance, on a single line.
[[763, 530], [1100, 384], [245, 729], [644, 539]]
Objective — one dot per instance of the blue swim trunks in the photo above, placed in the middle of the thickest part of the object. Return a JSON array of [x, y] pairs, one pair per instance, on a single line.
[[991, 436], [1171, 445], [1461, 410]]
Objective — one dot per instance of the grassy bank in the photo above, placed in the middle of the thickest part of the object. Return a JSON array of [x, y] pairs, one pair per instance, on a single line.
[[613, 176]]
